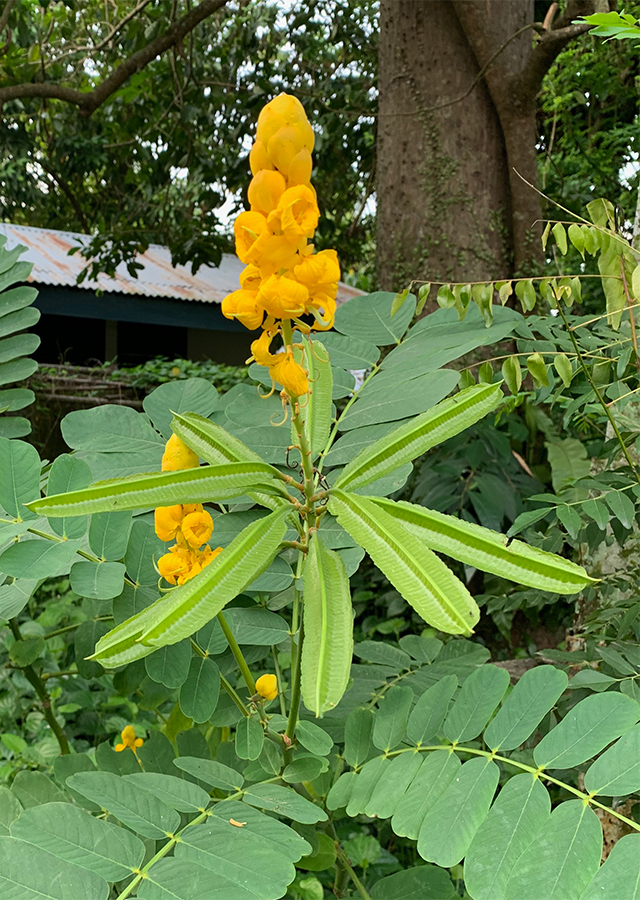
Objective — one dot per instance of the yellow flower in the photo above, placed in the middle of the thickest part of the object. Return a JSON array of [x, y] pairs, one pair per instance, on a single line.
[[267, 686], [296, 214], [273, 253], [260, 350], [290, 374], [247, 228], [167, 521], [243, 305], [250, 278], [197, 528], [265, 191], [129, 740], [283, 297], [320, 268], [175, 566], [178, 456]]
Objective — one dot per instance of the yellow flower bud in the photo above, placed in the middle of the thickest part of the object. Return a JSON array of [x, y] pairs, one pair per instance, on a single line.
[[300, 168], [283, 297], [290, 374], [267, 686], [247, 228], [197, 528], [167, 521], [265, 191], [283, 110], [259, 158], [178, 456], [296, 215], [243, 305], [284, 145]]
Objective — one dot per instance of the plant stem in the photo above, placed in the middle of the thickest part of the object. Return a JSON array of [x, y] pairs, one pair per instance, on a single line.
[[278, 671], [344, 859], [67, 628], [38, 684], [539, 773], [632, 321], [601, 399], [237, 653], [90, 556]]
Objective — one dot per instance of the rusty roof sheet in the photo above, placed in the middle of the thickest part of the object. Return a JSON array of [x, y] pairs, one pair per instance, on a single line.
[[48, 251]]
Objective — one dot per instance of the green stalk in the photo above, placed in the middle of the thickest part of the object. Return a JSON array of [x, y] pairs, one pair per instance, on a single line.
[[344, 859], [38, 684], [238, 655]]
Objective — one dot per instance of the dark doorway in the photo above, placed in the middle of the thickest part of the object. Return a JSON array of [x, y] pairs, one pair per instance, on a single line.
[[70, 339], [137, 342]]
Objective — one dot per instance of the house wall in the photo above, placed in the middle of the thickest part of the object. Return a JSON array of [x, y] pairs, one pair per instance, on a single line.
[[81, 327]]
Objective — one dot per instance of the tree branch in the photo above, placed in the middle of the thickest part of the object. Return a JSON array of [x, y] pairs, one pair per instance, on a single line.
[[553, 42], [6, 12], [89, 101]]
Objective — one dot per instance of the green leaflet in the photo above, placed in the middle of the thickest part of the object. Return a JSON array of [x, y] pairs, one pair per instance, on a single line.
[[418, 574], [418, 435], [183, 611], [563, 858], [216, 446], [316, 413], [488, 550], [520, 812], [199, 485], [328, 628]]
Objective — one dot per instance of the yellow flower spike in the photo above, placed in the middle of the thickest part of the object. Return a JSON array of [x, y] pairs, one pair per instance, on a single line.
[[267, 686], [247, 228], [259, 158], [273, 253], [168, 520], [283, 297], [129, 740], [290, 374], [265, 190], [197, 528], [178, 456]]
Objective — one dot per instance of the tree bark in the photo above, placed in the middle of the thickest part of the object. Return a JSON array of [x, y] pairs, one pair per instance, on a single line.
[[457, 135], [443, 201]]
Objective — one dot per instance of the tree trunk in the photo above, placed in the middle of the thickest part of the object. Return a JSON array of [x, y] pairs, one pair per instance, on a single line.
[[452, 203]]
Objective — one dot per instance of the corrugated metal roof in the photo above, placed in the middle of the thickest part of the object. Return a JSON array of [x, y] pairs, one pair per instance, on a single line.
[[48, 251]]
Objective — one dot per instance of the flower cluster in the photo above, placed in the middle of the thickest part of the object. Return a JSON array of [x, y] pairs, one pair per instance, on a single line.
[[189, 525], [283, 279]]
